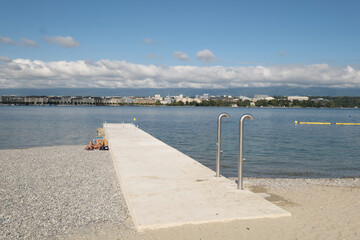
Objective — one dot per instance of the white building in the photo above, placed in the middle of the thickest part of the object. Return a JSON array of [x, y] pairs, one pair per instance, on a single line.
[[36, 100], [244, 98], [299, 98], [205, 96], [262, 97], [269, 98], [167, 100], [127, 100], [189, 99]]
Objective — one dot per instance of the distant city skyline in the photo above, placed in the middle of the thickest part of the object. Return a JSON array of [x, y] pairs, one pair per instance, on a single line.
[[185, 44], [142, 92]]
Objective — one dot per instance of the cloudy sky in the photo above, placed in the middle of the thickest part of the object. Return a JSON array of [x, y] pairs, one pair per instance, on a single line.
[[159, 44]]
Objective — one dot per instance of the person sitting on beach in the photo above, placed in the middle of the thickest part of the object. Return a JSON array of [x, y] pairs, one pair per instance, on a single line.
[[101, 144], [105, 145], [90, 146]]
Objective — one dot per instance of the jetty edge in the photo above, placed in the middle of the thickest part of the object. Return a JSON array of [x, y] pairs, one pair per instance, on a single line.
[[163, 187]]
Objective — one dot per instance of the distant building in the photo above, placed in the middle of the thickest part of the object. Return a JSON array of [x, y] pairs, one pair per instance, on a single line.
[[320, 100], [36, 100], [144, 100], [115, 100], [262, 97], [98, 100], [12, 99], [205, 96], [54, 100], [127, 100], [189, 99], [83, 101], [66, 100], [166, 100], [298, 98], [244, 98]]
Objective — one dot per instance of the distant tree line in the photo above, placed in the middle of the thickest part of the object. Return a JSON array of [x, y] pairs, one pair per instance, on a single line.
[[204, 103], [313, 102], [276, 101]]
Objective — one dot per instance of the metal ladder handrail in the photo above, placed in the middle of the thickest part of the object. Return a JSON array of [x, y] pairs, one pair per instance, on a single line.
[[241, 146], [218, 143]]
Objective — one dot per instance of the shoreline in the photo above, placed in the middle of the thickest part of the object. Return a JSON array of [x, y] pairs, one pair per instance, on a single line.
[[65, 192], [150, 105], [299, 181]]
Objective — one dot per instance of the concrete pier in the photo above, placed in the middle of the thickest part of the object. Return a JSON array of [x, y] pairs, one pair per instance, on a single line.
[[163, 187]]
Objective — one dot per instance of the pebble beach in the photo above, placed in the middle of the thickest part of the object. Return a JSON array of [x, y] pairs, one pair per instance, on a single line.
[[64, 192], [53, 192]]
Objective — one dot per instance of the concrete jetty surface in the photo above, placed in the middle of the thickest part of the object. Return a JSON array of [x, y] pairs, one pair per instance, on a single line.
[[163, 187]]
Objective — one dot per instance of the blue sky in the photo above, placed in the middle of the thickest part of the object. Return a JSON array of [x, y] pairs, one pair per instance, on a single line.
[[203, 37]]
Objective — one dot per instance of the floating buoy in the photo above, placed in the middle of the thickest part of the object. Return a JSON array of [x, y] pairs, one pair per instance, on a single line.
[[318, 123], [326, 123], [347, 123], [134, 119]]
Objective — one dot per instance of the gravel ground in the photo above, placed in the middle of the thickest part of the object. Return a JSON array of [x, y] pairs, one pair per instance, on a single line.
[[52, 192], [64, 192]]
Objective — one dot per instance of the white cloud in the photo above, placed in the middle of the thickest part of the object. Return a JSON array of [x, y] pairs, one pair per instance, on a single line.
[[147, 40], [206, 56], [66, 42], [24, 42], [5, 59], [181, 56], [28, 43], [7, 40], [121, 74]]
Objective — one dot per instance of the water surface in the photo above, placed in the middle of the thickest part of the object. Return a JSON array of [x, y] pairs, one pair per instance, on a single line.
[[273, 145]]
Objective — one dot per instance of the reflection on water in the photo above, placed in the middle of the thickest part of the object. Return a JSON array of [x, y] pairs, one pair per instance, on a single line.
[[273, 145]]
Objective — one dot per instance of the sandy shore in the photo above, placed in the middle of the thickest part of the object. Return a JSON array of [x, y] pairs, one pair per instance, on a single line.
[[66, 193], [318, 212]]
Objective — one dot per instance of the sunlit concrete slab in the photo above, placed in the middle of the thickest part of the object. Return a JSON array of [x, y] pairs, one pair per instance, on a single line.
[[163, 187]]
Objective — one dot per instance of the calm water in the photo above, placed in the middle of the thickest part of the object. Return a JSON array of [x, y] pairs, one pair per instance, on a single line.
[[273, 145]]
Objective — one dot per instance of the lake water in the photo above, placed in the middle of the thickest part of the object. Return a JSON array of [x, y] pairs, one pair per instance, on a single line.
[[273, 145]]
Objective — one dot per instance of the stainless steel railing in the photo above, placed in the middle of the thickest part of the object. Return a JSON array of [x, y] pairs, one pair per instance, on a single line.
[[241, 158], [218, 143], [241, 148]]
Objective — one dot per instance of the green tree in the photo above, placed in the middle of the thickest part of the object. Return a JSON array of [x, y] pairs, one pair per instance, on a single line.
[[243, 103], [261, 103]]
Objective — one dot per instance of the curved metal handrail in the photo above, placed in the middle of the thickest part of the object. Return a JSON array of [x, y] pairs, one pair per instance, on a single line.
[[241, 147], [218, 143]]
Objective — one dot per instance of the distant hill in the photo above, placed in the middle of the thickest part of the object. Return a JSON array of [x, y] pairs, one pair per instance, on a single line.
[[249, 92]]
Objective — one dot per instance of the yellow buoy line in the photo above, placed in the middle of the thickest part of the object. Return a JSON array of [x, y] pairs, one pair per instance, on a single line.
[[320, 123], [347, 123], [326, 123]]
